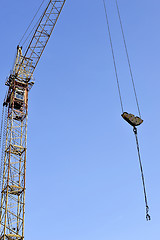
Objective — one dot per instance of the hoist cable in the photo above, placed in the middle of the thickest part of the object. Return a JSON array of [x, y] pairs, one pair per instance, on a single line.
[[1, 130], [3, 127], [31, 23], [114, 61], [134, 128], [32, 29], [142, 175], [129, 64]]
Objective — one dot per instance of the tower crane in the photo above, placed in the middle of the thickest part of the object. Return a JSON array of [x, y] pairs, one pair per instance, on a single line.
[[15, 114], [15, 106]]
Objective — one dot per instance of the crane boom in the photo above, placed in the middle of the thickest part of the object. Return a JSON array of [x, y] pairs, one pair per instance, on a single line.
[[42, 35], [13, 159]]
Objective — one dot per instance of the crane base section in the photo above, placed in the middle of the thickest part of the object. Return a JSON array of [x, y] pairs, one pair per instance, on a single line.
[[131, 119]]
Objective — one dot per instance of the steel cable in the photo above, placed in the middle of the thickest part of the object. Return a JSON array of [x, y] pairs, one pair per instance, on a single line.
[[3, 127], [114, 61], [31, 23], [129, 64], [1, 130], [142, 175], [134, 129], [36, 24]]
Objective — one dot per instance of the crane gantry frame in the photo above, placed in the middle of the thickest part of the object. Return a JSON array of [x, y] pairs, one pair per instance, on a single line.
[[19, 83]]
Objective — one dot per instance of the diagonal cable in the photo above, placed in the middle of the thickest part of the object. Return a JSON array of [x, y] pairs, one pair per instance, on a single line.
[[114, 61], [31, 22], [129, 64]]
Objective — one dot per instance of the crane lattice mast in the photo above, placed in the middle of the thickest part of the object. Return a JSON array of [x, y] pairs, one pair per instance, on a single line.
[[15, 103]]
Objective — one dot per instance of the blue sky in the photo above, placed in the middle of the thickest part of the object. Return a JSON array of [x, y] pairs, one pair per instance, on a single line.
[[83, 177]]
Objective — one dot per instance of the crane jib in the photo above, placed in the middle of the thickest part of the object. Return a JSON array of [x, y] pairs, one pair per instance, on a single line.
[[40, 37]]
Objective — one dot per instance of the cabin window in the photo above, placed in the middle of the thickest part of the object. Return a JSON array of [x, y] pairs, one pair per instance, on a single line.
[[19, 94]]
